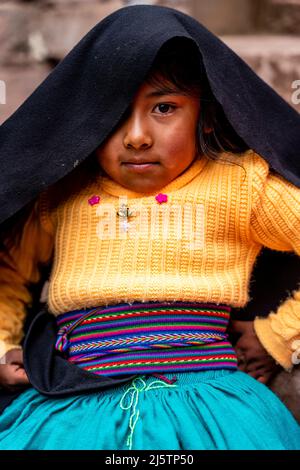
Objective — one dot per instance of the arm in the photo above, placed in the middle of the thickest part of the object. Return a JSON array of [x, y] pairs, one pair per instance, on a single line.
[[20, 261], [282, 270], [275, 223]]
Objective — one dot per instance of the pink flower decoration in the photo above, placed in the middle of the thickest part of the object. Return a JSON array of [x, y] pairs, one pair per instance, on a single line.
[[161, 198], [94, 200]]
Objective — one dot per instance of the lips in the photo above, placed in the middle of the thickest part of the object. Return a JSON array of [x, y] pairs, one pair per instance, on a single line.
[[139, 166], [139, 162]]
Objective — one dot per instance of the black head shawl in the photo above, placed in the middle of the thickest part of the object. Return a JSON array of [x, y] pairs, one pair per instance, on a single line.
[[71, 113]]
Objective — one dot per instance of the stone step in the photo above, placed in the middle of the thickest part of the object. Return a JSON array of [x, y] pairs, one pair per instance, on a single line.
[[280, 16], [186, 6], [248, 16], [34, 31], [20, 81], [32, 40], [226, 16], [275, 58]]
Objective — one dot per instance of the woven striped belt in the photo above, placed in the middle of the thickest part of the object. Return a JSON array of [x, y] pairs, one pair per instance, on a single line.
[[147, 337]]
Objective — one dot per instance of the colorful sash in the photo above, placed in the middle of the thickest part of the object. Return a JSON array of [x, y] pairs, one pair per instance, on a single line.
[[147, 337]]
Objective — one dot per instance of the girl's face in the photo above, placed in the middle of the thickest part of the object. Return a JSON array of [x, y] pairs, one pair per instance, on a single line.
[[156, 141]]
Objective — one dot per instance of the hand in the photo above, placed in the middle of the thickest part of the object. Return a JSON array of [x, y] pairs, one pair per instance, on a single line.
[[252, 356], [12, 372]]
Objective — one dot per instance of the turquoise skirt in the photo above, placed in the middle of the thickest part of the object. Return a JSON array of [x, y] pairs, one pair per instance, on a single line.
[[207, 410]]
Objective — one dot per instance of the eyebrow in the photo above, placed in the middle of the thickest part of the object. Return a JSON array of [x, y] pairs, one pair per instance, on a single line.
[[163, 92]]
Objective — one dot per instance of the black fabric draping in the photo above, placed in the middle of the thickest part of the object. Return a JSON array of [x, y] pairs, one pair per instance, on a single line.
[[71, 113], [80, 103], [275, 276], [48, 371]]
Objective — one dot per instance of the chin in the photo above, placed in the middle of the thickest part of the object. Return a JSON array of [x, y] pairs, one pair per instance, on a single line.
[[143, 188]]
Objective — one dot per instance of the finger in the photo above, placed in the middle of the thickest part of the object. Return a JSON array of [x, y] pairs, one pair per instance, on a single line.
[[15, 376], [240, 354], [263, 379], [259, 365], [241, 326], [241, 360], [21, 376], [17, 357], [242, 366], [259, 376], [17, 384], [262, 375], [271, 373], [14, 356]]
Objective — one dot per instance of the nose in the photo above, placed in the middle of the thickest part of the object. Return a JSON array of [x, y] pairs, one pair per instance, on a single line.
[[137, 134]]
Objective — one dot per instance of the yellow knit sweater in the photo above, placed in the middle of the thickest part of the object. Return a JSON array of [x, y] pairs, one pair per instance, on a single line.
[[200, 245]]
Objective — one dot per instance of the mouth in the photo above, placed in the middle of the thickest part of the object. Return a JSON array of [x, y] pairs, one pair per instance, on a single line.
[[139, 166]]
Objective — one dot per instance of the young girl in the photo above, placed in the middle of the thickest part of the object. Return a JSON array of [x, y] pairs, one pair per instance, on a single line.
[[151, 240]]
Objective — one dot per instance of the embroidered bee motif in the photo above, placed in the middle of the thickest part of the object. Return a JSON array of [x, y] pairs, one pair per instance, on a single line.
[[125, 214]]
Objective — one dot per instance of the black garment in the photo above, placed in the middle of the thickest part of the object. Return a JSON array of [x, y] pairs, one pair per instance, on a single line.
[[48, 371], [275, 276], [72, 112]]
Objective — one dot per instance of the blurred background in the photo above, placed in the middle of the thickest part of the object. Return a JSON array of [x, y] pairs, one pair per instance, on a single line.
[[36, 34]]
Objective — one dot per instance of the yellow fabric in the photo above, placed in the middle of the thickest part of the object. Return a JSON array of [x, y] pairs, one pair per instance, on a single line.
[[237, 208], [19, 266]]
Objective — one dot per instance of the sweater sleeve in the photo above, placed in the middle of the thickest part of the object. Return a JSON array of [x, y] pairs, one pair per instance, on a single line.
[[20, 262], [275, 223]]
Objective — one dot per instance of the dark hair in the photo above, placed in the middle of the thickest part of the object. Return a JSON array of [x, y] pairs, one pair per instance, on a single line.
[[179, 65]]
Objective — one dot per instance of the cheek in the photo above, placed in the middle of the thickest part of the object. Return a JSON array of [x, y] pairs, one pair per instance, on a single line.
[[106, 154], [182, 139]]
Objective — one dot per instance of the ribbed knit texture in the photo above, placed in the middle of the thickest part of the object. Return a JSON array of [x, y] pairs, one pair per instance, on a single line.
[[147, 338], [89, 271], [230, 212]]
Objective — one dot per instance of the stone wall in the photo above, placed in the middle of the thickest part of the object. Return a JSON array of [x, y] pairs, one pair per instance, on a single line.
[[280, 16], [36, 34], [276, 59]]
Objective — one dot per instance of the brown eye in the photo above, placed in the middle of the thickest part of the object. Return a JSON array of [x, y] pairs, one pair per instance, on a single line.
[[164, 108]]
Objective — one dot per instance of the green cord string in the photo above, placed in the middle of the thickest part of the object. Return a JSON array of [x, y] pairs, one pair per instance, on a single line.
[[137, 386]]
